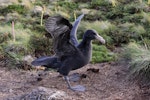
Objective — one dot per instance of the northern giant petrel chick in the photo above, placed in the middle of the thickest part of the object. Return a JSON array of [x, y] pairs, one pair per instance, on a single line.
[[69, 54]]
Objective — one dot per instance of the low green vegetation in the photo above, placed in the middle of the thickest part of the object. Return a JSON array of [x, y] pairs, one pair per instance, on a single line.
[[101, 54]]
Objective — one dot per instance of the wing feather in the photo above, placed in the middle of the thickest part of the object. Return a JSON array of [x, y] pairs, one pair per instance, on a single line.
[[73, 36], [60, 29]]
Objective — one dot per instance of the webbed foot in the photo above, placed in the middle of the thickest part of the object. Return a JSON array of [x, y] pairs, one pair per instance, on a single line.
[[78, 88], [74, 88]]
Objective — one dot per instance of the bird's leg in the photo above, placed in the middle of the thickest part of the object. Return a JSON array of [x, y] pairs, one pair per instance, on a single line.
[[67, 80], [74, 77], [74, 88]]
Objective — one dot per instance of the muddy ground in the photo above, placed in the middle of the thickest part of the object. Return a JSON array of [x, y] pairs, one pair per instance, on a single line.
[[110, 83]]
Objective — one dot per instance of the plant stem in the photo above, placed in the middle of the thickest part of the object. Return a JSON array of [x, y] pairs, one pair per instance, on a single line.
[[13, 32], [42, 15]]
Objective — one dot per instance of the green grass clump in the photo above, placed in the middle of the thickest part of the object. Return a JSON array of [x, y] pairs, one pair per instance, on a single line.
[[67, 5], [125, 32], [14, 51], [40, 45], [5, 37], [101, 54], [115, 13], [139, 61], [98, 3], [21, 9], [133, 18]]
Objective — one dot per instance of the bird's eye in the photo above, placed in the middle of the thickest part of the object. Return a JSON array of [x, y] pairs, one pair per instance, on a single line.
[[94, 34]]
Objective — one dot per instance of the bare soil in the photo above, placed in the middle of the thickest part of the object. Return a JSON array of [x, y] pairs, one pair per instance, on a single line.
[[110, 83]]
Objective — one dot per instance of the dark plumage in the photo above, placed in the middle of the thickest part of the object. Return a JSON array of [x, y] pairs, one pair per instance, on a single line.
[[69, 54]]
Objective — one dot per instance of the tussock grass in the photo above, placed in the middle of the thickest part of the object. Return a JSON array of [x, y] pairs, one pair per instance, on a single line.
[[139, 61], [134, 31]]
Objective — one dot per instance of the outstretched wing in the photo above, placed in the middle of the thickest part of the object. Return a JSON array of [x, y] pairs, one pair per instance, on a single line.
[[60, 29], [73, 36], [47, 61]]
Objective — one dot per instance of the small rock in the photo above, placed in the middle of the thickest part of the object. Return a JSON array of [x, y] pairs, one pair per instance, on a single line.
[[10, 90], [42, 93], [37, 9], [28, 59]]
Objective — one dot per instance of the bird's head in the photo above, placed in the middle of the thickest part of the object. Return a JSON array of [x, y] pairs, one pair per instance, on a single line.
[[92, 34]]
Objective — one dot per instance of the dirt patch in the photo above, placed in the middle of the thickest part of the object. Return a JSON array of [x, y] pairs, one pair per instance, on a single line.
[[110, 83]]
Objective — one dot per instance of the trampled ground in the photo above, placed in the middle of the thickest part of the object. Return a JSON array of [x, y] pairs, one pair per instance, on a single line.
[[110, 83]]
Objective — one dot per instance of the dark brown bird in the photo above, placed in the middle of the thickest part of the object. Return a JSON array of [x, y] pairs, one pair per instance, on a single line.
[[69, 54]]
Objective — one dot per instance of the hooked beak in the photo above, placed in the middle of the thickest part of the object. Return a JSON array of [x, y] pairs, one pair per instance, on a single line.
[[101, 39]]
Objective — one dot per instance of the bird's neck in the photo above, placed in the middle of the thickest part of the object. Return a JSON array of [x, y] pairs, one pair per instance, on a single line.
[[86, 48], [85, 43]]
